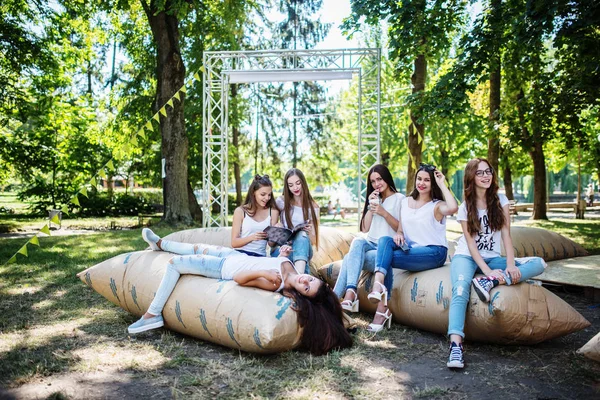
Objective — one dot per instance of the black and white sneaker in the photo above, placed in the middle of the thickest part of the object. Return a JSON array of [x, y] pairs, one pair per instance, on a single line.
[[455, 360], [483, 286]]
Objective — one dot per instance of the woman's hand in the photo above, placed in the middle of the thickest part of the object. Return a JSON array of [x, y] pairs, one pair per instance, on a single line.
[[498, 274], [285, 250], [514, 273], [308, 227], [440, 179], [259, 236], [273, 277], [399, 239]]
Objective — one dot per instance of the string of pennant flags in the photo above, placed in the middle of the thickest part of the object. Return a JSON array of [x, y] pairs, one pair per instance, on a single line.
[[109, 165]]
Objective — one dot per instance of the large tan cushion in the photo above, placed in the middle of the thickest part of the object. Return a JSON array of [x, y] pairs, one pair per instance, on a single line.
[[519, 314], [592, 348], [537, 242], [219, 311]]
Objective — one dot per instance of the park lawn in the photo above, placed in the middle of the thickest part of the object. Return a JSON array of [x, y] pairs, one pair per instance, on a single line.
[[53, 325]]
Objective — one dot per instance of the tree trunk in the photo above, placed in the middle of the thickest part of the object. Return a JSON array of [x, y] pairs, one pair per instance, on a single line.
[[539, 180], [507, 175], [170, 75], [195, 208], [416, 129], [493, 139], [235, 141], [493, 154], [294, 127]]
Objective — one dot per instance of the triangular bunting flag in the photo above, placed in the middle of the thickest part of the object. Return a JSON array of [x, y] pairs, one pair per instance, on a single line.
[[110, 165], [176, 95], [149, 126], [35, 240], [414, 165], [141, 133], [423, 147], [183, 89], [83, 191], [23, 250], [45, 230], [93, 181], [12, 260], [170, 103], [55, 219], [197, 76], [202, 69], [133, 141], [75, 201], [65, 209], [102, 174], [156, 117], [125, 148], [163, 111], [420, 137]]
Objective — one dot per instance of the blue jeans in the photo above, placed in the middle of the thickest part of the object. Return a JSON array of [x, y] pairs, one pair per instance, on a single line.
[[462, 271], [389, 255], [302, 250], [361, 257], [193, 259]]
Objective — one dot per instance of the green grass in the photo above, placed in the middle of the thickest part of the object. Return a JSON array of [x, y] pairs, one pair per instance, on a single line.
[[52, 324]]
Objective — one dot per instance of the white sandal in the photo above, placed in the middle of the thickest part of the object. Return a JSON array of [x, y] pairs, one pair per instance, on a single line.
[[375, 297], [379, 327], [349, 305]]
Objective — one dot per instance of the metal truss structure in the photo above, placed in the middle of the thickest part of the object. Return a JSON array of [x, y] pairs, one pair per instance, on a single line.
[[223, 68]]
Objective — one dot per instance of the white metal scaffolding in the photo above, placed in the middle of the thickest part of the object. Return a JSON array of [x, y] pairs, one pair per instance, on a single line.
[[225, 67]]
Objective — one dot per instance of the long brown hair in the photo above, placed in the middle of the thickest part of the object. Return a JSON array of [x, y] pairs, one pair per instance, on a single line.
[[385, 174], [250, 205], [308, 210], [436, 192], [320, 318], [495, 214]]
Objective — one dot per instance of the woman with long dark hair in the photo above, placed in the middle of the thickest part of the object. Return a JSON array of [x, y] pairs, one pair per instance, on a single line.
[[297, 206], [318, 308], [485, 220], [379, 218], [251, 218], [420, 242]]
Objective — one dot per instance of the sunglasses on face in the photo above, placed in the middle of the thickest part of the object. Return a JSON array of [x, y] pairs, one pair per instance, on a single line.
[[426, 167], [483, 172]]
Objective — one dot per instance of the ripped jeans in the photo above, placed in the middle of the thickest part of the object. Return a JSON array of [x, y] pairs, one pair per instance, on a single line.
[[194, 259], [462, 271]]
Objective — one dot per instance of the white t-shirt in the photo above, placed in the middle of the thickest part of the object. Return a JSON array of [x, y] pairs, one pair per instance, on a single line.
[[296, 214], [487, 241], [251, 226], [242, 262], [420, 226], [379, 226]]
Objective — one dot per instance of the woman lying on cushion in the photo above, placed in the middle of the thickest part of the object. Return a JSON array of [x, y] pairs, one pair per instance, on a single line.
[[318, 308]]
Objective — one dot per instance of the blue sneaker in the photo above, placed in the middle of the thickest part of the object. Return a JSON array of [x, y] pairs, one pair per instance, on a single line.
[[456, 360], [151, 238], [143, 325], [483, 286]]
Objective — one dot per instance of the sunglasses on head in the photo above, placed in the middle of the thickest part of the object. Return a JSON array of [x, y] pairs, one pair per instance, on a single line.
[[426, 167], [483, 172]]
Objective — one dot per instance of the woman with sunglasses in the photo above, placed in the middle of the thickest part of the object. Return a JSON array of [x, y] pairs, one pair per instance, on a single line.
[[420, 241], [379, 219], [485, 220], [251, 218]]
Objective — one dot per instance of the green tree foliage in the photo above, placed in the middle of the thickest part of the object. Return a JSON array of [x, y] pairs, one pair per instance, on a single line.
[[420, 33]]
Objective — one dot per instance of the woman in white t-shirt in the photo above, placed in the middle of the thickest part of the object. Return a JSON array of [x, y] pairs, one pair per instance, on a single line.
[[318, 308], [296, 207], [251, 219], [485, 220], [420, 242], [382, 207]]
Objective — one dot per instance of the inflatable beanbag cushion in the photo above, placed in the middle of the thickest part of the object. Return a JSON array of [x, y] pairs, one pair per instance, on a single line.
[[218, 311]]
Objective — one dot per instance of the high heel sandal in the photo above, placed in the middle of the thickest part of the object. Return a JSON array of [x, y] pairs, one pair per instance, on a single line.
[[379, 327], [375, 297], [350, 305]]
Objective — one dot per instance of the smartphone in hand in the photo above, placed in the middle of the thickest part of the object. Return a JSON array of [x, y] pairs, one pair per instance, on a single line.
[[404, 247]]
